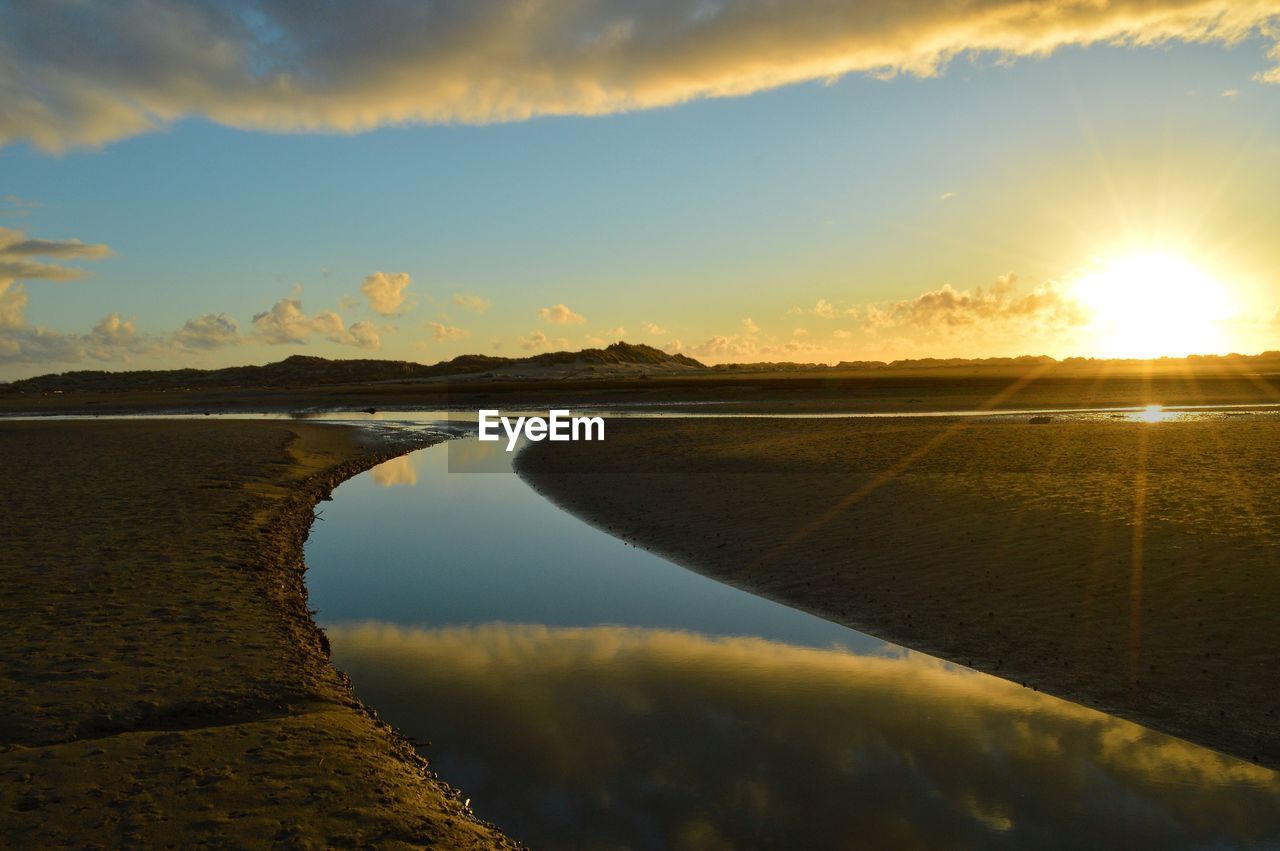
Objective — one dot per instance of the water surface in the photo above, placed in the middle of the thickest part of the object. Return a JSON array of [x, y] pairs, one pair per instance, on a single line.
[[586, 694]]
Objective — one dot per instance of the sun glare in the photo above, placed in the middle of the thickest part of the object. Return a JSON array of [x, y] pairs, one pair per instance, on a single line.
[[1153, 414], [1153, 305]]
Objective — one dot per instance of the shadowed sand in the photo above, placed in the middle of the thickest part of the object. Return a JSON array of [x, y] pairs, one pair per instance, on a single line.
[[161, 681], [1128, 566]]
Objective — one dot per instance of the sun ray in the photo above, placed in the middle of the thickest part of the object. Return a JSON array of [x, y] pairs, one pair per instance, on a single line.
[[900, 467], [1268, 389], [1137, 553], [1243, 493]]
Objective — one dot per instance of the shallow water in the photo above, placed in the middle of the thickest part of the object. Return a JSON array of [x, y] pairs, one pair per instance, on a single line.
[[588, 694]]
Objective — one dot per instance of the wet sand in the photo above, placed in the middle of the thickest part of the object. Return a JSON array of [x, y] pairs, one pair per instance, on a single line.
[[161, 679], [1127, 566]]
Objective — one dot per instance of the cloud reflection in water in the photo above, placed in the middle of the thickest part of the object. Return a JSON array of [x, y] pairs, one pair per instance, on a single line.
[[397, 471], [650, 738]]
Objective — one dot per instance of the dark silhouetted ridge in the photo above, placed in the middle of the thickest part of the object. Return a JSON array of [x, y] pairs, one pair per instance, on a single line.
[[309, 371]]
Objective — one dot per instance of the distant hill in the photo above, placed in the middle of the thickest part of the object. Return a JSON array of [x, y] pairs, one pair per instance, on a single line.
[[618, 354], [772, 366], [307, 371], [917, 363], [620, 360]]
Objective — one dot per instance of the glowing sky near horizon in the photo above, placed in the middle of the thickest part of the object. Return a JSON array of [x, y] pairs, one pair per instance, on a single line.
[[658, 193]]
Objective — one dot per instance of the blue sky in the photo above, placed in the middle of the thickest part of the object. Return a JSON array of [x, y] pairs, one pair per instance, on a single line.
[[859, 193]]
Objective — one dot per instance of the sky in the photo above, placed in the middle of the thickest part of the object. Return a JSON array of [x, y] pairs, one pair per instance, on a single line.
[[190, 184]]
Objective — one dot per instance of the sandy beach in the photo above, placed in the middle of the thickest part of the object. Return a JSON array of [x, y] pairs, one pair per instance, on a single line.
[[861, 351], [163, 683], [1127, 566]]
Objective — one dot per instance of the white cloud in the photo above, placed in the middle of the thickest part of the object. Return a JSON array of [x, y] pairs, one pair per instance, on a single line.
[[386, 292], [14, 206], [1005, 318], [20, 341], [13, 304], [85, 74], [539, 340], [469, 301], [1048, 304], [722, 347], [14, 243], [443, 333], [823, 309], [210, 331], [654, 329], [116, 338], [111, 330], [111, 339], [362, 334], [536, 340], [17, 251], [561, 315], [753, 344], [285, 323]]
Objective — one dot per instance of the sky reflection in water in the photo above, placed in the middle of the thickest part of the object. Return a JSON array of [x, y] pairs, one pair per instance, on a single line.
[[587, 694]]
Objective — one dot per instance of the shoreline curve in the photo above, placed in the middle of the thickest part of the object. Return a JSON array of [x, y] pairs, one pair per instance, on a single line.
[[162, 681]]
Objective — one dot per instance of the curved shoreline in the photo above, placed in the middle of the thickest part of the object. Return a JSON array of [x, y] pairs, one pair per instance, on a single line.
[[162, 681]]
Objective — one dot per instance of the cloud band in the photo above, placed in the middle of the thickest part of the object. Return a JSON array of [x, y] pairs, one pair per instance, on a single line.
[[83, 74]]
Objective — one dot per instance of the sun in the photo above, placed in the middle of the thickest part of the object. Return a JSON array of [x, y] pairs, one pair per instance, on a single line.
[[1152, 305]]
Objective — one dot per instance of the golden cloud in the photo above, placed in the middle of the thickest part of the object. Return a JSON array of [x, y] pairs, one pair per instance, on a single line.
[[209, 331], [560, 314], [471, 301], [16, 251], [286, 322], [443, 333], [111, 339], [386, 291], [89, 74], [1048, 305], [396, 472]]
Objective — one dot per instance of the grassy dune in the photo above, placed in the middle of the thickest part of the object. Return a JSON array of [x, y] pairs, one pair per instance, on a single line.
[[161, 680]]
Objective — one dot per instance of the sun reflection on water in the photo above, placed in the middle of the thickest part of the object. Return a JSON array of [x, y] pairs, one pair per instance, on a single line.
[[1153, 414]]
